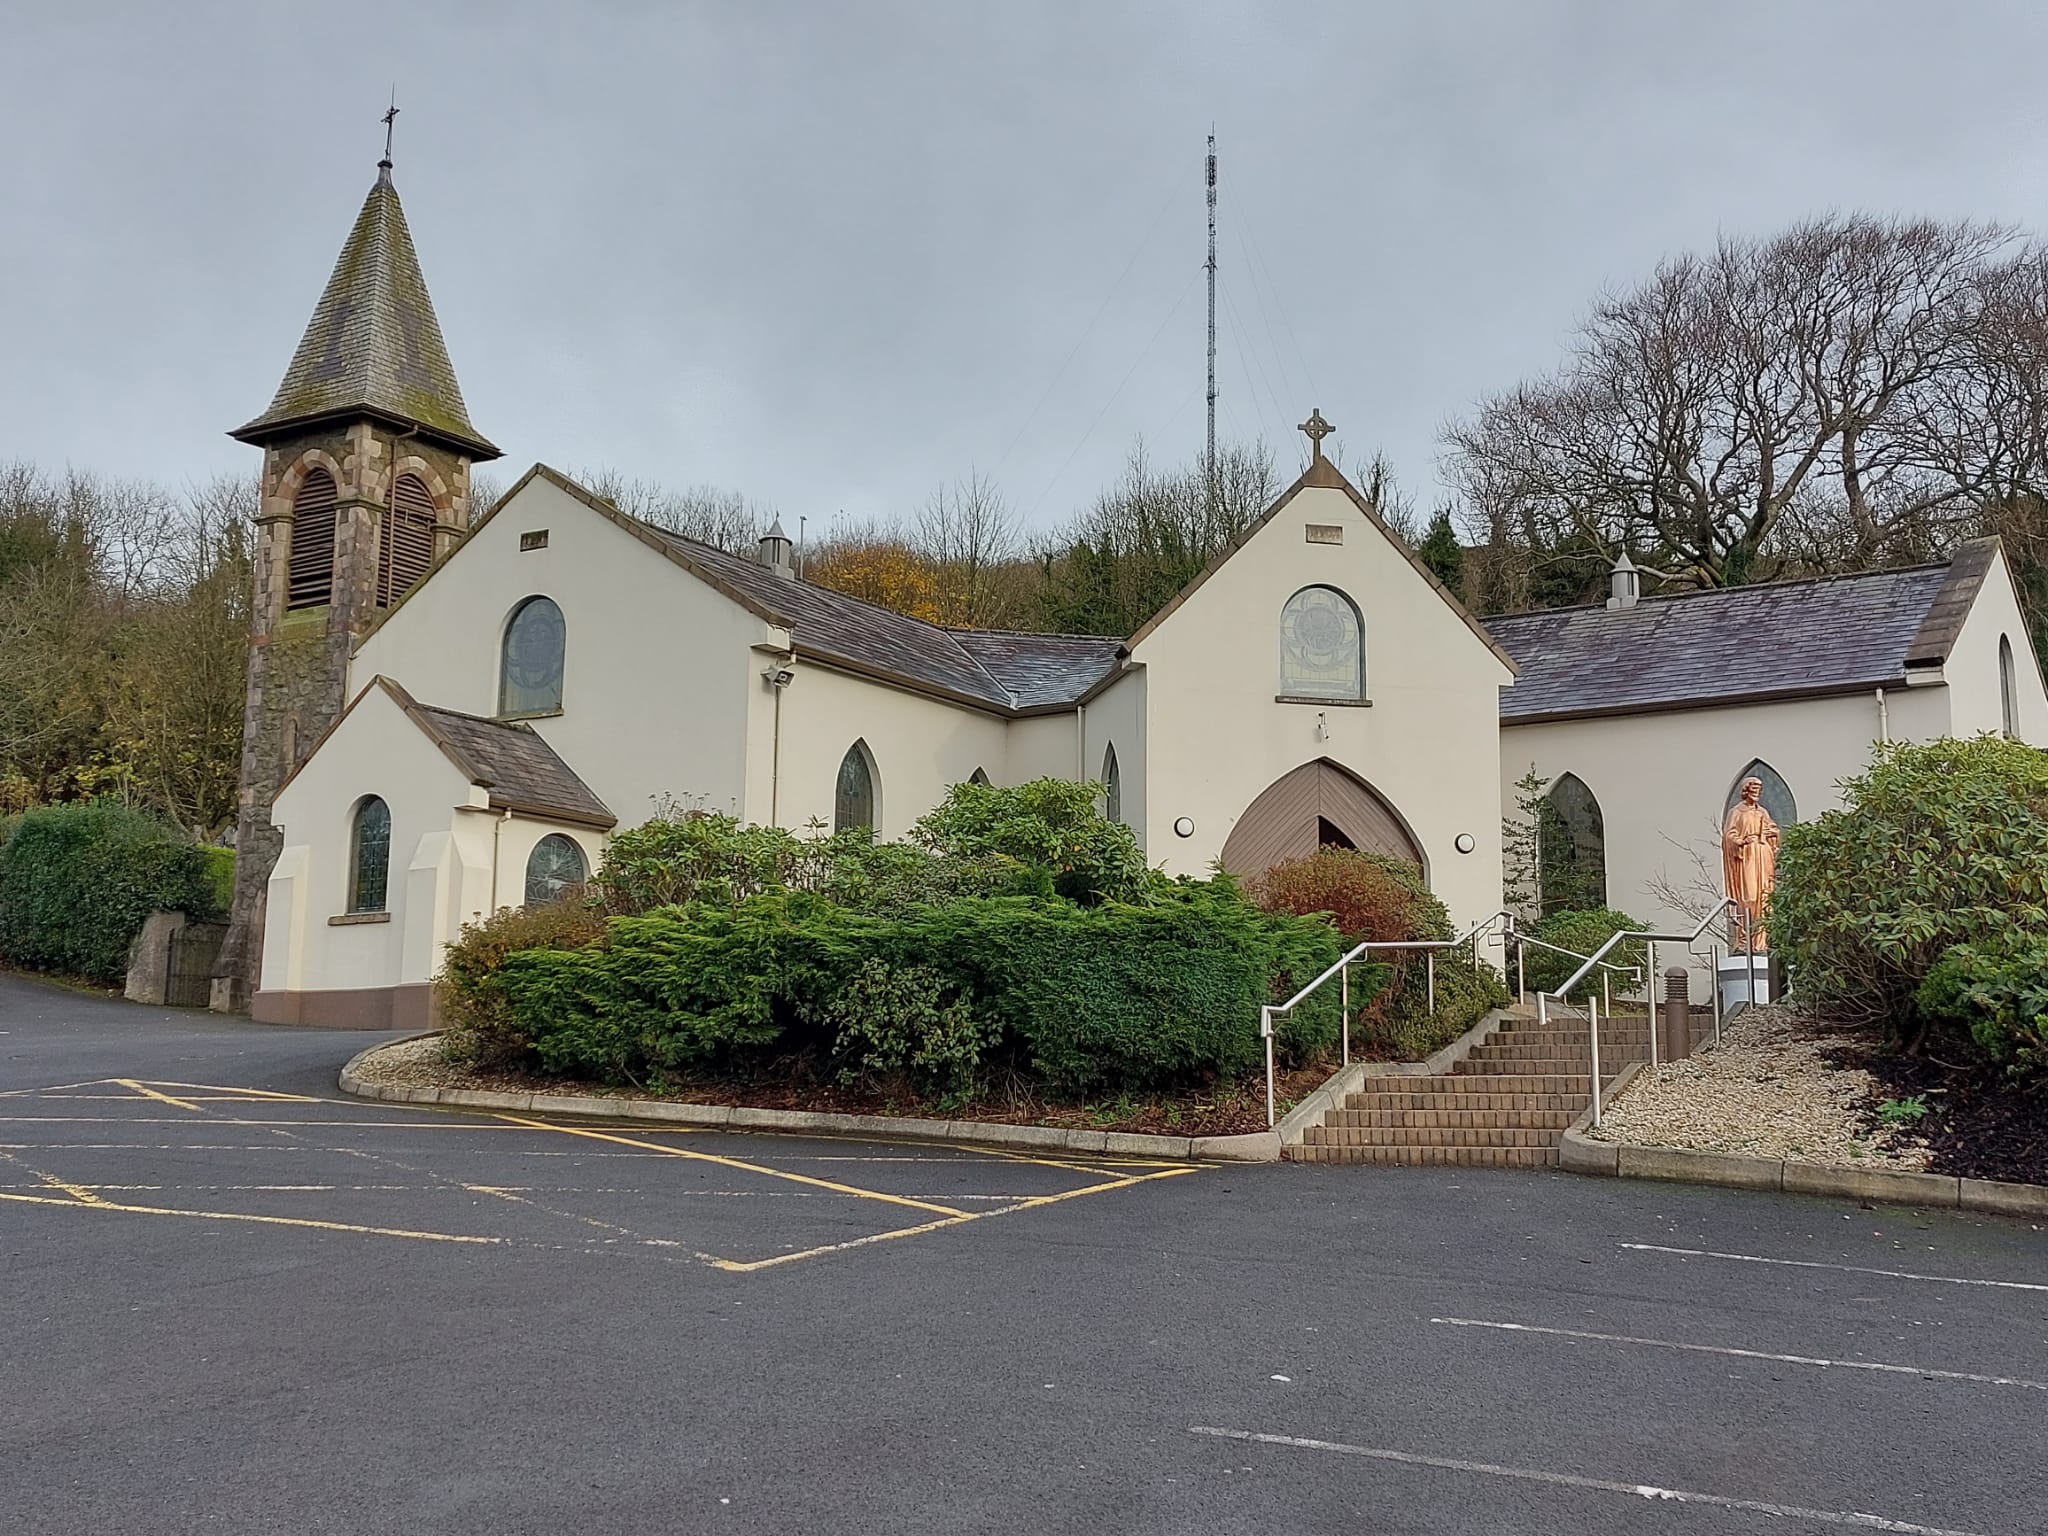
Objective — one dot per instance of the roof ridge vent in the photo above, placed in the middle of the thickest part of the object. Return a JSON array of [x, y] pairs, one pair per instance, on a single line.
[[1624, 583]]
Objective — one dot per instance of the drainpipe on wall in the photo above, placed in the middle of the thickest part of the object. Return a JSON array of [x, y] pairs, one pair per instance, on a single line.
[[1081, 743], [778, 676], [497, 835], [1884, 718]]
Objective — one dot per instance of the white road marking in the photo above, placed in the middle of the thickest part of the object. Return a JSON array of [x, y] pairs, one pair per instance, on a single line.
[[1598, 1485], [1847, 1269], [1748, 1354]]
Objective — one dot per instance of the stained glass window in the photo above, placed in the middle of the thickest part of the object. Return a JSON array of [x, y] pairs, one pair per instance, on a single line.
[[2008, 691], [370, 859], [1112, 786], [1322, 646], [531, 681], [979, 776], [854, 803], [554, 867], [1571, 844], [1776, 797]]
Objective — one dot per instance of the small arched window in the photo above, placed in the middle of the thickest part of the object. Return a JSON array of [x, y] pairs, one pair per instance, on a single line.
[[1112, 786], [530, 681], [407, 546], [979, 776], [1322, 646], [310, 578], [1776, 796], [553, 869], [853, 804], [369, 865], [2008, 688], [1571, 843]]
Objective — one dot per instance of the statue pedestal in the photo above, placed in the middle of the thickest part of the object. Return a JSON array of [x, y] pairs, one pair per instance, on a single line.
[[1743, 979]]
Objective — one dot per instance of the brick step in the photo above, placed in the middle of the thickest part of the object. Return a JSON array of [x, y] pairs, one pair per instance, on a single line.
[[1536, 1066], [1535, 1036], [1555, 1050], [1464, 1103], [1412, 1136], [1497, 1082], [1515, 1118], [1438, 1157]]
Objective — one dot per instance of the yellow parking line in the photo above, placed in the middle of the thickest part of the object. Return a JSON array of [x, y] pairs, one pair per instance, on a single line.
[[18, 1093], [737, 1267], [733, 1162], [254, 1093], [95, 1204], [147, 1092]]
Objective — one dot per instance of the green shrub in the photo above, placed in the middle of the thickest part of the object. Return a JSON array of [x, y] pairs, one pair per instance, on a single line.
[[1998, 992], [896, 1022], [77, 882], [1112, 997], [480, 1023], [1938, 844], [1582, 933], [687, 856], [1050, 824]]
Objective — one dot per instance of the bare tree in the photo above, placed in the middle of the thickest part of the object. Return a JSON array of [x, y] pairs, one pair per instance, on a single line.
[[725, 519], [967, 535], [1779, 393]]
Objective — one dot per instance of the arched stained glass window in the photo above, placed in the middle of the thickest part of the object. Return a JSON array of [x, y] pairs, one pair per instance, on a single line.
[[369, 869], [1322, 646], [2008, 687], [1571, 841], [310, 576], [979, 776], [853, 804], [530, 682], [554, 868], [1776, 797], [1112, 786]]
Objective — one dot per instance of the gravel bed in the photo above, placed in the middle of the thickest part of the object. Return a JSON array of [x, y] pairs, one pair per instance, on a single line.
[[1780, 1084]]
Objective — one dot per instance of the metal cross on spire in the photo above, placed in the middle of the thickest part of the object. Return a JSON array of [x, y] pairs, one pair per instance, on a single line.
[[390, 117], [1316, 429]]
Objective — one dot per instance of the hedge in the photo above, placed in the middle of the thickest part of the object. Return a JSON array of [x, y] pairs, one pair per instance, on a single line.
[[77, 882], [1085, 999]]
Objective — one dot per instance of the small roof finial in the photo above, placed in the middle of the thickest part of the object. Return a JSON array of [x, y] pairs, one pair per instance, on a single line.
[[390, 117], [1317, 429]]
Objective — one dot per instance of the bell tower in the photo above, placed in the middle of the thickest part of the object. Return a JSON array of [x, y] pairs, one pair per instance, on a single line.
[[367, 449]]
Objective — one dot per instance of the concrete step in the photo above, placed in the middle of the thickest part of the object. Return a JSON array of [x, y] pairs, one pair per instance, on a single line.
[[1513, 1117], [1435, 1157], [1414, 1137]]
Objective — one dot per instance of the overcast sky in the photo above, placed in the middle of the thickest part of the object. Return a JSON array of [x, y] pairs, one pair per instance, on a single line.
[[832, 255]]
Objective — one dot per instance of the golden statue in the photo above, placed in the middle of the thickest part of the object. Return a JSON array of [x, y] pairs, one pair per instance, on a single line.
[[1749, 861]]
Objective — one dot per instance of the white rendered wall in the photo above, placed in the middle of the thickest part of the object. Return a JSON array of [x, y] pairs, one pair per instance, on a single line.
[[1429, 743], [1041, 747], [657, 665], [1116, 717], [1972, 667], [919, 747], [1663, 780], [375, 750]]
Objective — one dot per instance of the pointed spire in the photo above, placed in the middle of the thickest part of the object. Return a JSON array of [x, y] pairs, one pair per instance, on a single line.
[[373, 346]]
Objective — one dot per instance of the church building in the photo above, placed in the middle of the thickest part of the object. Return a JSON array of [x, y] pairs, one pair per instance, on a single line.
[[446, 718]]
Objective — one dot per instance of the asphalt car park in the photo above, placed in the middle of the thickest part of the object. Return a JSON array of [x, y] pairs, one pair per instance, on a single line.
[[239, 1301]]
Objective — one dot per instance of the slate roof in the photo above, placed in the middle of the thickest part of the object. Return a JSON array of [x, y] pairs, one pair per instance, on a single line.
[[374, 345], [509, 759], [1787, 639], [1007, 672]]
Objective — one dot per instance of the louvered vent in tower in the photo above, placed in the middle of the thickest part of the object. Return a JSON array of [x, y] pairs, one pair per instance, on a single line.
[[312, 559], [407, 548]]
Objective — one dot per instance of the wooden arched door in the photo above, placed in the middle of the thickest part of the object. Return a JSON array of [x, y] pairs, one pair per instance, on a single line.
[[1316, 804]]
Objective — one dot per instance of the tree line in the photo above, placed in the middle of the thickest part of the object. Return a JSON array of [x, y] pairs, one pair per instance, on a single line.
[[1850, 394]]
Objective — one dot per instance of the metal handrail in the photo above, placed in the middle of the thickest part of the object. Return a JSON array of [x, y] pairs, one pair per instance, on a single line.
[[1342, 968], [1652, 939]]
